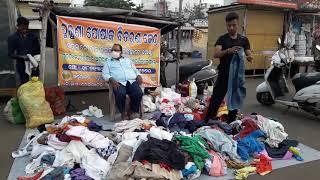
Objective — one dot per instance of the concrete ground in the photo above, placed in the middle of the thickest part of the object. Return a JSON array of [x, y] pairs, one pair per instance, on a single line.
[[298, 124]]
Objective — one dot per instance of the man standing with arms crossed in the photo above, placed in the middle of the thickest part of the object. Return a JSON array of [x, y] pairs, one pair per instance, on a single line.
[[226, 46]]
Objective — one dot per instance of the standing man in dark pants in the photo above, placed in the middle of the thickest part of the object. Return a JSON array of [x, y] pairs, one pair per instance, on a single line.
[[226, 46], [20, 44]]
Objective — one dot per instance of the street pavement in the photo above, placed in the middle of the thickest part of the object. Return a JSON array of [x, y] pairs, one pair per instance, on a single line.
[[298, 124]]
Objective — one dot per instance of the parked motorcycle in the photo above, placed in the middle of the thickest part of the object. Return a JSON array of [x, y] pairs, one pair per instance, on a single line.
[[317, 58], [275, 87], [202, 71]]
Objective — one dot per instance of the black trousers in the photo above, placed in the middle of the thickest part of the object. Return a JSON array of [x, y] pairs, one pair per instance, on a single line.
[[24, 77], [219, 92], [163, 79]]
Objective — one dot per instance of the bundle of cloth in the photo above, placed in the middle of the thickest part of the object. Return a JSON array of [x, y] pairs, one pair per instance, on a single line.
[[159, 148]]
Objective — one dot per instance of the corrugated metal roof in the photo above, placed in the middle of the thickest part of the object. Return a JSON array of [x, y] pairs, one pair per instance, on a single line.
[[55, 1]]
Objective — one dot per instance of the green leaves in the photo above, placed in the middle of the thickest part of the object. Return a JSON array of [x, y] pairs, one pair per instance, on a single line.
[[120, 4]]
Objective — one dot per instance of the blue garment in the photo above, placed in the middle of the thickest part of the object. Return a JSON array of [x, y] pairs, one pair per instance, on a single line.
[[236, 90], [48, 159], [122, 70], [135, 93], [219, 141], [179, 123], [192, 170], [249, 145], [227, 128]]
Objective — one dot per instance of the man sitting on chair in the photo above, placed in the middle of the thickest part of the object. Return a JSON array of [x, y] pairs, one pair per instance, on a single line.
[[124, 79]]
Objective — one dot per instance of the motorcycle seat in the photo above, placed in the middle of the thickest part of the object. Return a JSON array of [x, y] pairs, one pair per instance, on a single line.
[[303, 80], [191, 68]]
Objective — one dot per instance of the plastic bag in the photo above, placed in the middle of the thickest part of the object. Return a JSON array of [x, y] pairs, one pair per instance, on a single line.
[[55, 97], [33, 104], [13, 112]]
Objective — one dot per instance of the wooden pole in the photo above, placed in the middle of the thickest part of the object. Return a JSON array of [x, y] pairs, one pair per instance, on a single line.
[[43, 37], [54, 42], [178, 46], [12, 16]]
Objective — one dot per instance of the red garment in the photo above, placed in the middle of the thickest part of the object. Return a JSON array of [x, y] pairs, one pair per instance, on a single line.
[[74, 138], [264, 165], [55, 96], [248, 127], [204, 113], [144, 162], [165, 100], [165, 166], [35, 177]]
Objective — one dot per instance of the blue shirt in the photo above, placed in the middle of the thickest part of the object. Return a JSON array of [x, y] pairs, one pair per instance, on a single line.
[[122, 70]]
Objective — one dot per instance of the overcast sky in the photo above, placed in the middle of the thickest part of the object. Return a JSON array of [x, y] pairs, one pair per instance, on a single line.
[[173, 3]]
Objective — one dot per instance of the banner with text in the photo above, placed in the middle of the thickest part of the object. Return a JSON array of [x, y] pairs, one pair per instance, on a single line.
[[85, 44]]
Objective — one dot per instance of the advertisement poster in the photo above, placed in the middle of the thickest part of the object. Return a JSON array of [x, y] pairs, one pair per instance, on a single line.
[[85, 44]]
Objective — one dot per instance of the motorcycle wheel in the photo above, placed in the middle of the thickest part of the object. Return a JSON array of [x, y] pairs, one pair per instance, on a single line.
[[265, 98]]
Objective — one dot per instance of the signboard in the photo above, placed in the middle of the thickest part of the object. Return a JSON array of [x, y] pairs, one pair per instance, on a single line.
[[291, 4], [85, 44]]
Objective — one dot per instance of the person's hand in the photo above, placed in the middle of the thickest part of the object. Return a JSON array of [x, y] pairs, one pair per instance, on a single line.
[[233, 50], [114, 84], [249, 59], [25, 58], [139, 80]]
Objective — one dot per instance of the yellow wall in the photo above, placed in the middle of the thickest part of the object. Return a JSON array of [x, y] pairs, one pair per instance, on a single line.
[[200, 39], [263, 27], [217, 27]]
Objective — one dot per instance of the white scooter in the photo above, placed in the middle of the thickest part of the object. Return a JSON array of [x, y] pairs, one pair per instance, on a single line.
[[275, 87]]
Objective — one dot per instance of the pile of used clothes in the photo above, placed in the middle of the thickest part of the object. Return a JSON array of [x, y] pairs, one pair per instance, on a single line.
[[77, 148], [174, 144]]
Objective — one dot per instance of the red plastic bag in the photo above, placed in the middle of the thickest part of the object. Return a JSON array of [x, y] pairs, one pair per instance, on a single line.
[[55, 97]]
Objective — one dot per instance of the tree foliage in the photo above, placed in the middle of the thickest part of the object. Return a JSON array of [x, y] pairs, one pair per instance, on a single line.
[[194, 12], [120, 4]]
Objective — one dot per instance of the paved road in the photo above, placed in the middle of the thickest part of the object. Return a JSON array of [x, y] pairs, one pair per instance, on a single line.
[[298, 124]]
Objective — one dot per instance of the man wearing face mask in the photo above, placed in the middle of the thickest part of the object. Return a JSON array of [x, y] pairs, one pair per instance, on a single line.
[[20, 44], [124, 79]]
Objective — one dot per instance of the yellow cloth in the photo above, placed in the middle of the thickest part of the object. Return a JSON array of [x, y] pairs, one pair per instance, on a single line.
[[223, 110], [243, 173]]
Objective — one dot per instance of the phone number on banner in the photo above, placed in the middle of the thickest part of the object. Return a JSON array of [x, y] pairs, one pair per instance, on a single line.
[[77, 67], [95, 84], [147, 70]]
